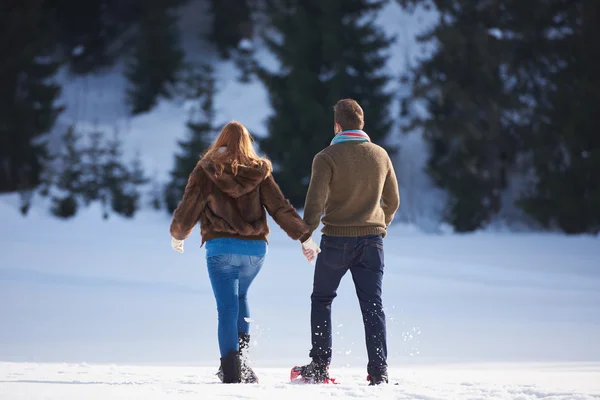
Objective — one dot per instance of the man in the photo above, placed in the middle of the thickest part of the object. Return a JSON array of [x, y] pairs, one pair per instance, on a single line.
[[353, 182]]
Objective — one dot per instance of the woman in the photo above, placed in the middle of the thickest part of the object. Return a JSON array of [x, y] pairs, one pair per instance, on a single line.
[[228, 192]]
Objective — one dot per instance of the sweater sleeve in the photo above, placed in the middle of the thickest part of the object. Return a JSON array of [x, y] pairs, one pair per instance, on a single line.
[[317, 192], [390, 198], [281, 210], [187, 213]]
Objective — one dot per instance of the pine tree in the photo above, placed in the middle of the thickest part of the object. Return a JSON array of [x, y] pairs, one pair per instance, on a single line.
[[157, 57], [565, 144], [77, 175], [470, 122], [67, 185], [28, 96], [328, 50], [356, 50], [156, 194], [91, 34], [121, 183], [201, 134], [94, 158], [231, 23]]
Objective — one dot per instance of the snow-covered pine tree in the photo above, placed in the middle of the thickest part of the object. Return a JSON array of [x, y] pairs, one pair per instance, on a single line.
[[120, 182], [467, 109], [66, 185], [78, 174]]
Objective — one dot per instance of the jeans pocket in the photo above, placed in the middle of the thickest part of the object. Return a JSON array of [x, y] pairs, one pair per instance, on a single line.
[[332, 253], [256, 261], [372, 256], [219, 260]]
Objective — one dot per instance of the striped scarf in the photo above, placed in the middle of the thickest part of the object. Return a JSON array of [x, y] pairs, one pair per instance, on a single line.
[[354, 135]]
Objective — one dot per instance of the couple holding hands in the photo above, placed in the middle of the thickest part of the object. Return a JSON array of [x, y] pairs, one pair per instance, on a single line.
[[353, 187]]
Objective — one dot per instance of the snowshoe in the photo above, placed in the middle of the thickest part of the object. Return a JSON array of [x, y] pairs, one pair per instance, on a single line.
[[312, 373]]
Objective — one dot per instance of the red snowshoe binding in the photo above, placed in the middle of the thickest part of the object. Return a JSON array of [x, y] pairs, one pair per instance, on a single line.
[[312, 373]]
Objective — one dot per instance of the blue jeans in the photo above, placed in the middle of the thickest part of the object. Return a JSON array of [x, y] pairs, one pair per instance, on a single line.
[[363, 257], [231, 276]]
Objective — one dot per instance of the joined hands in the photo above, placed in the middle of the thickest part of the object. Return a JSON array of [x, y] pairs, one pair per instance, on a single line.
[[310, 250]]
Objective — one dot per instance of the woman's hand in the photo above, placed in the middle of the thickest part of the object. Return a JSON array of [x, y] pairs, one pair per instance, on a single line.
[[177, 245], [310, 250]]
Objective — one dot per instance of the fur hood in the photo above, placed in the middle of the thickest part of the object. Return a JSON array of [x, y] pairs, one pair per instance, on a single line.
[[246, 180]]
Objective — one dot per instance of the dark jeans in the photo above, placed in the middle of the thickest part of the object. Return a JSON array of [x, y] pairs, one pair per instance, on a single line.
[[363, 256]]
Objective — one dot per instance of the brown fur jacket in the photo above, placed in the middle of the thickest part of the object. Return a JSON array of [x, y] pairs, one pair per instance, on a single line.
[[233, 205]]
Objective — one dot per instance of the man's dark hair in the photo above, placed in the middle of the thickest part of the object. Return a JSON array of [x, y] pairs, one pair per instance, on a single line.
[[348, 114]]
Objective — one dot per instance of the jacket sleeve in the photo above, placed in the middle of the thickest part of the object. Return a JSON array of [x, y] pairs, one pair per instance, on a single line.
[[390, 198], [187, 213], [281, 210]]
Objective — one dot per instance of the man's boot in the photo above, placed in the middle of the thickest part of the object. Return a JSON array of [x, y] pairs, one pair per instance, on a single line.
[[378, 378], [315, 372]]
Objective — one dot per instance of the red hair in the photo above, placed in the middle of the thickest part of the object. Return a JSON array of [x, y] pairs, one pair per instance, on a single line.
[[239, 149]]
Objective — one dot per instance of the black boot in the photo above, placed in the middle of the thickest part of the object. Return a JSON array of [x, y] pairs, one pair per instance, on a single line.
[[248, 375], [315, 372], [231, 368], [378, 378]]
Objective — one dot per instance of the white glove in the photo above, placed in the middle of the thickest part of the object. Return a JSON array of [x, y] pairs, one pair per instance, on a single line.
[[310, 250], [177, 245]]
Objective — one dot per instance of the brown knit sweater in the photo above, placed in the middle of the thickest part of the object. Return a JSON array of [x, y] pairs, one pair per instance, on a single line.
[[355, 186]]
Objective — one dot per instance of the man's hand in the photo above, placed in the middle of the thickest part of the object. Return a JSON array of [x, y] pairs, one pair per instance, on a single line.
[[310, 250], [177, 245]]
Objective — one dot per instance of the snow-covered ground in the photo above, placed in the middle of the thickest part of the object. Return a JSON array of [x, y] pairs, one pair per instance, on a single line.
[[96, 292], [100, 382]]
